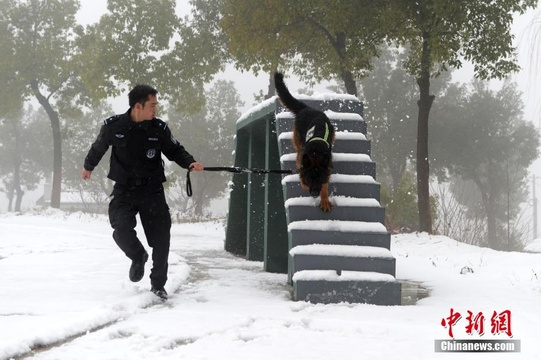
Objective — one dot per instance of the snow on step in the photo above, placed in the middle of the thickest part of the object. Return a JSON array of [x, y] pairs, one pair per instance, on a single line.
[[339, 135], [341, 226], [337, 178], [332, 115], [342, 201], [332, 275], [342, 251], [336, 157], [351, 157]]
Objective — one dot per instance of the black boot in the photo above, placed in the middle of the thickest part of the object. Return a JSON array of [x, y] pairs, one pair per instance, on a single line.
[[160, 292], [137, 269]]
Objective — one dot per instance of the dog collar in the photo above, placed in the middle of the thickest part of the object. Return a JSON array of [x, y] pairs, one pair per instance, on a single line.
[[325, 137]]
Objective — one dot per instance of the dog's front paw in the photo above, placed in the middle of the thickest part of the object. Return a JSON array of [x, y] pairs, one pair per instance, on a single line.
[[325, 205]]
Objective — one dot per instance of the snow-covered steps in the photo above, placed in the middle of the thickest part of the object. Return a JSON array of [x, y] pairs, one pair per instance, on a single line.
[[359, 186], [342, 257], [344, 208], [329, 287]]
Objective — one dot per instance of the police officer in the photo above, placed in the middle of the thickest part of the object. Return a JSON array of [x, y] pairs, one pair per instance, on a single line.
[[138, 140]]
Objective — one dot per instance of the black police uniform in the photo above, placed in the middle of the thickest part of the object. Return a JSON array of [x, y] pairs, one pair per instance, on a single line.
[[136, 166]]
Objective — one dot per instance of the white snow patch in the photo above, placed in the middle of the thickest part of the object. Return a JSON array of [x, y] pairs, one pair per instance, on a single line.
[[534, 246], [345, 157], [262, 105], [337, 178], [338, 157], [331, 275], [335, 225], [63, 278], [342, 201], [333, 115], [339, 135], [341, 250]]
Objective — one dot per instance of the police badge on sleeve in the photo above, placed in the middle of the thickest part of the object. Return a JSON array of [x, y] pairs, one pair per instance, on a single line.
[[151, 153]]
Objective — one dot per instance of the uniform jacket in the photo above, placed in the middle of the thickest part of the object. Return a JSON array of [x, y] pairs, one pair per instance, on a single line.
[[136, 149]]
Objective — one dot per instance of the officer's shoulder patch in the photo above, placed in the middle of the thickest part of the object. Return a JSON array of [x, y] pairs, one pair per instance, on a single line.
[[111, 120], [159, 123]]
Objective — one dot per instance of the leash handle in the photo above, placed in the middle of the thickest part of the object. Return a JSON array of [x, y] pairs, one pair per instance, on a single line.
[[189, 191]]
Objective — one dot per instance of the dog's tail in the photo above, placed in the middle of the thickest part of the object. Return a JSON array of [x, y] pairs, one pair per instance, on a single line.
[[288, 100]]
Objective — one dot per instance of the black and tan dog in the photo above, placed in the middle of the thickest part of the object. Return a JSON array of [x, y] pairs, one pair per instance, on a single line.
[[313, 137]]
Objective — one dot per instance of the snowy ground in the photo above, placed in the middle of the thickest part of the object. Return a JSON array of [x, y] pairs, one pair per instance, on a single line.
[[65, 294]]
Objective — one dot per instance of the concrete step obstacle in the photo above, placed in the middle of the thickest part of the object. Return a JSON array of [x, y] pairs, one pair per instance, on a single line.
[[340, 256], [343, 255]]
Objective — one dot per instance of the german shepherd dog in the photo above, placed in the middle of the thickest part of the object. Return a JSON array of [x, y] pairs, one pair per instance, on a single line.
[[313, 137]]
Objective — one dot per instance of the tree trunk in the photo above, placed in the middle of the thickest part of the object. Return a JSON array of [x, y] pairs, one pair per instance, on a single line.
[[493, 235], [19, 199], [423, 167], [272, 88], [17, 170], [57, 145], [492, 231], [349, 82], [10, 195], [488, 205], [346, 75]]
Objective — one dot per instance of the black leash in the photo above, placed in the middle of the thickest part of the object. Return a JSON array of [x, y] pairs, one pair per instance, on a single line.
[[232, 169]]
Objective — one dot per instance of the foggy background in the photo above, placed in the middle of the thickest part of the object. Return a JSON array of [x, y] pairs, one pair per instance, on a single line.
[[249, 89]]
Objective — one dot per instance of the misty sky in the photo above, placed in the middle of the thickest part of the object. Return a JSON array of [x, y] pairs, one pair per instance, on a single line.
[[527, 30]]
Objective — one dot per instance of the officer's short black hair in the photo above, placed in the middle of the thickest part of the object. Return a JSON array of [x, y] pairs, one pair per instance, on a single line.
[[140, 93]]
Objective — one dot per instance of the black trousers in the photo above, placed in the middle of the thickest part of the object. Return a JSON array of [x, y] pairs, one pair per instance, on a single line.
[[149, 202]]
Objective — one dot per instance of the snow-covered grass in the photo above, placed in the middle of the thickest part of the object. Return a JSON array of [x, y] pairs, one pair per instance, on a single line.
[[65, 294]]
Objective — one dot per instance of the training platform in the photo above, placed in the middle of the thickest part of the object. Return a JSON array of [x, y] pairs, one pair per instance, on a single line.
[[341, 256]]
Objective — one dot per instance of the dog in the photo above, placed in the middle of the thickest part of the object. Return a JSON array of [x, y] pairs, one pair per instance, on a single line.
[[313, 137]]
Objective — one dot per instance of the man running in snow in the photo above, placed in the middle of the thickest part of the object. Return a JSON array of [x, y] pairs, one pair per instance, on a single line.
[[138, 140]]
